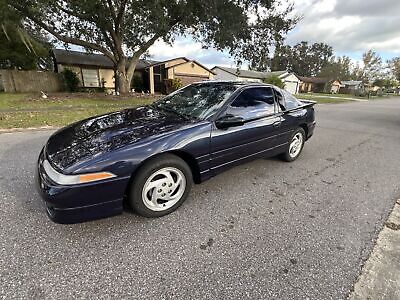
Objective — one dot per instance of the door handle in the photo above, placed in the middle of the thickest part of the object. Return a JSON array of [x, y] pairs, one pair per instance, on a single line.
[[277, 123]]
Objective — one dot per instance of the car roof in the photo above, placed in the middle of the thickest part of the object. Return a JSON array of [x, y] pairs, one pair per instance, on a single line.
[[233, 82]]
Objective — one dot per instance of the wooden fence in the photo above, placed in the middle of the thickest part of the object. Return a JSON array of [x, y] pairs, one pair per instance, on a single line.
[[14, 81]]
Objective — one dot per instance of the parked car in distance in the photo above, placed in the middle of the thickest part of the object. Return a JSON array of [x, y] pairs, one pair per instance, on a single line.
[[150, 156]]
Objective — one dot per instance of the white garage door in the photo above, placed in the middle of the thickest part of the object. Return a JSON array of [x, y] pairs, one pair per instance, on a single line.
[[291, 87]]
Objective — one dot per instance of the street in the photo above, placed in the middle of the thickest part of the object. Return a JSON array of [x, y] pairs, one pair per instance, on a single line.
[[264, 230]]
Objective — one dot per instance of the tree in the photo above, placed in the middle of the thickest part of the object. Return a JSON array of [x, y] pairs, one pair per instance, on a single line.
[[303, 59], [371, 68], [394, 65], [386, 83], [21, 47], [338, 68], [275, 80], [123, 30]]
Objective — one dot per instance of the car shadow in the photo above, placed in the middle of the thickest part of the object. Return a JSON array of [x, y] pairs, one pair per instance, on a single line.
[[19, 184]]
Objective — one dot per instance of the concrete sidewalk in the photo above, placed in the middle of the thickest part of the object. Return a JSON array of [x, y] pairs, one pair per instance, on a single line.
[[380, 276], [342, 98]]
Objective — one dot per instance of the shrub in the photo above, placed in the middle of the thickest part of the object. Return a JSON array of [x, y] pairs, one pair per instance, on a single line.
[[274, 80], [172, 85], [360, 93], [137, 83], [71, 80]]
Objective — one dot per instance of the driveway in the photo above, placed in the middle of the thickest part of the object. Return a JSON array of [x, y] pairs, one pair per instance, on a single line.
[[266, 229]]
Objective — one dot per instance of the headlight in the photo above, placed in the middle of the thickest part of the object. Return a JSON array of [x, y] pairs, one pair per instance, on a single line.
[[74, 179]]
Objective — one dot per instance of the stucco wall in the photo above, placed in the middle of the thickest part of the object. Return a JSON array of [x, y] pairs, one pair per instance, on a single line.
[[291, 78], [174, 62], [223, 75], [249, 79], [292, 83], [192, 68], [108, 76], [170, 73]]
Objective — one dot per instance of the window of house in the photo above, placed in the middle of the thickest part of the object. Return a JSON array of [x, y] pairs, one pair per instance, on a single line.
[[90, 78]]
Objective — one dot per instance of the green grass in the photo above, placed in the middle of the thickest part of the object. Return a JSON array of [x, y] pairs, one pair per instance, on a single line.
[[26, 101], [25, 110], [334, 98], [322, 99]]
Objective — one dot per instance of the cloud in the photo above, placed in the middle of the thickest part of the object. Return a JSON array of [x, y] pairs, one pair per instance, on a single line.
[[187, 47], [349, 26]]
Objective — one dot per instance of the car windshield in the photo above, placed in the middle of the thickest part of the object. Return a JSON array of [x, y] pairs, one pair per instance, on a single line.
[[198, 101]]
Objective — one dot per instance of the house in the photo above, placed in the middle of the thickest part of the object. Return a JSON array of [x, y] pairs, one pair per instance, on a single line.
[[1, 83], [352, 87], [313, 84], [188, 71], [290, 80], [97, 70], [335, 86]]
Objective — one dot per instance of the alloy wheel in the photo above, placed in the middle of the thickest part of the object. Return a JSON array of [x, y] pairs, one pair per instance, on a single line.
[[296, 145], [163, 189]]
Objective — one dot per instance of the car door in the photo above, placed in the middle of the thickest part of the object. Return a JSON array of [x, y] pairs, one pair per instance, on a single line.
[[253, 133]]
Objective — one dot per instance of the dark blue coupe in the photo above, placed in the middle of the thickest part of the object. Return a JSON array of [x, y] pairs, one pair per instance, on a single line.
[[149, 157]]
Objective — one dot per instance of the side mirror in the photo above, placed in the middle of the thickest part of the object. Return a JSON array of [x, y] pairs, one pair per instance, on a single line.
[[229, 121]]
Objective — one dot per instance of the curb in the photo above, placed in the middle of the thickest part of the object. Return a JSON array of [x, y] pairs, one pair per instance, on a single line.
[[14, 130], [379, 278]]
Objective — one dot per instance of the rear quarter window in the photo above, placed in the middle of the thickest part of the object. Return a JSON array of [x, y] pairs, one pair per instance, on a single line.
[[290, 100]]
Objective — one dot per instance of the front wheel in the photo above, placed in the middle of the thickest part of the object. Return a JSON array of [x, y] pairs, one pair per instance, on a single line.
[[295, 146], [160, 186]]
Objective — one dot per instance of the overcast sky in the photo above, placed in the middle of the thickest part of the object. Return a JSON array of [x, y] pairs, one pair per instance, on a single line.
[[349, 26]]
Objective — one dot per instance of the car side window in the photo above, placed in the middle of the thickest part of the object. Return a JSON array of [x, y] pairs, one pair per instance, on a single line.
[[253, 103], [291, 101], [286, 100]]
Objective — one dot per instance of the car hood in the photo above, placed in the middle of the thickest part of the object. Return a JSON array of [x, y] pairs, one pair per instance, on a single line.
[[95, 136]]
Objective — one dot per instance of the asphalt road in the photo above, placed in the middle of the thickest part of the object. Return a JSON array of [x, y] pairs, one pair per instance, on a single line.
[[267, 229]]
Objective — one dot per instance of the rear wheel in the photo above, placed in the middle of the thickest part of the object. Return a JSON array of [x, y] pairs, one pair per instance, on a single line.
[[295, 146], [160, 186]]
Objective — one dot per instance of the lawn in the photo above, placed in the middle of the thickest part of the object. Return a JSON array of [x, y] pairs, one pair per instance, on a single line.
[[334, 98], [324, 98], [27, 110]]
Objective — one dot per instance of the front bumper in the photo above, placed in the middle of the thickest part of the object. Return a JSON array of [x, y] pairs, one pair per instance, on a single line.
[[83, 202]]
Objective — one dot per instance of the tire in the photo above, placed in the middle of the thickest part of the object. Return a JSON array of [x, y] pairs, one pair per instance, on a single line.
[[168, 179], [292, 154]]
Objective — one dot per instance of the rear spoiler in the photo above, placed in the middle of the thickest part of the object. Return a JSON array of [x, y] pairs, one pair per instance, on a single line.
[[308, 103]]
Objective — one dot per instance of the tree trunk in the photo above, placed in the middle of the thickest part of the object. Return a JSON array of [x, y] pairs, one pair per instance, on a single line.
[[122, 80], [124, 85]]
